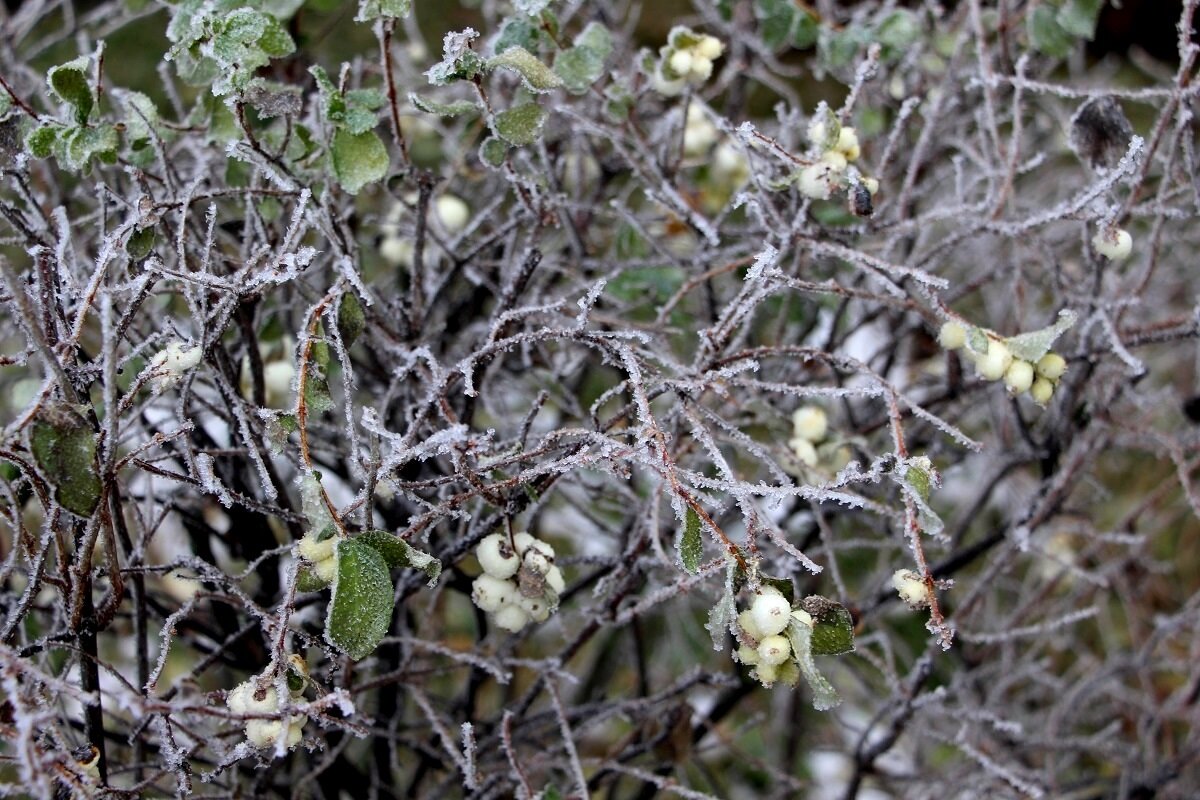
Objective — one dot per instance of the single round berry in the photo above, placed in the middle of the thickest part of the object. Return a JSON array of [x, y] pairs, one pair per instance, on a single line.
[[1019, 376], [702, 69], [1052, 366], [774, 650], [511, 618], [810, 422], [1042, 390], [522, 541], [847, 144], [749, 627], [767, 674], [497, 557], [681, 62], [1115, 244], [805, 451], [953, 335], [911, 588], [554, 579], [536, 607], [490, 593], [316, 551], [995, 362], [770, 613], [709, 47], [747, 655], [452, 212]]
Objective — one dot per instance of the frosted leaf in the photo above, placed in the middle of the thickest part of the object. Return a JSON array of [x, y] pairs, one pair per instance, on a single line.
[[531, 7], [536, 76], [398, 553], [722, 615], [458, 60], [521, 124], [825, 696], [312, 503], [690, 545], [1035, 344], [64, 446], [360, 611]]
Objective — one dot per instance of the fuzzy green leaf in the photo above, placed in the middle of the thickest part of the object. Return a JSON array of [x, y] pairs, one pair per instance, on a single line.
[[442, 109], [536, 76], [41, 140], [833, 628], [358, 159], [371, 10], [1035, 344], [691, 545], [398, 553], [493, 151], [360, 611], [351, 320], [521, 125], [140, 244], [1079, 17], [1046, 35], [800, 635], [64, 446], [582, 65], [70, 83]]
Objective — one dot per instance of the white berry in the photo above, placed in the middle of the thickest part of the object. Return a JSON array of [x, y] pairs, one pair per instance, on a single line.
[[702, 69], [452, 212], [1019, 376], [1052, 366], [522, 542], [511, 618], [952, 336], [554, 579], [995, 362], [681, 62], [804, 450], [810, 422], [496, 556], [911, 588], [770, 613], [847, 144], [709, 47], [536, 607], [814, 182], [767, 674], [1115, 244], [774, 650], [748, 626], [396, 251], [316, 551], [491, 593]]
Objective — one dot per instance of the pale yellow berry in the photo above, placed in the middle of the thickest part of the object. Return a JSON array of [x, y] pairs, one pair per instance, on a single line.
[[702, 69], [911, 588], [847, 144], [554, 579], [804, 450], [767, 674], [835, 160], [774, 650], [680, 62], [872, 185], [810, 422], [1019, 376], [491, 594], [953, 335], [815, 182], [1052, 366], [1042, 390], [709, 47], [747, 655], [748, 626], [452, 212], [396, 251], [802, 616], [326, 569], [316, 551], [995, 362]]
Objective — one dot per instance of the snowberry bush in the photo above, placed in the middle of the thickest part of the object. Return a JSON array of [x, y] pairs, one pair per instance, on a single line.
[[564, 398]]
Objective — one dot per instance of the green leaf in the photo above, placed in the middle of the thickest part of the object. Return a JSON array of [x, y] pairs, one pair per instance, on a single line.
[[398, 553], [41, 140], [977, 340], [459, 61], [358, 159], [77, 146], [140, 244], [1035, 344], [776, 19], [897, 32], [360, 611], [307, 580], [64, 446], [1079, 17], [1046, 35], [371, 10], [70, 83], [691, 545], [582, 65], [518, 32], [833, 627], [800, 635], [521, 124], [351, 320], [317, 396], [536, 76], [920, 480], [442, 109], [493, 151]]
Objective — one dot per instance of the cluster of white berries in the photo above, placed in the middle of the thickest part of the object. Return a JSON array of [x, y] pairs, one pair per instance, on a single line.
[[727, 164], [321, 553], [763, 644], [836, 148], [519, 583], [809, 427], [1115, 244], [261, 696], [686, 60], [911, 588], [170, 363], [998, 362], [397, 249]]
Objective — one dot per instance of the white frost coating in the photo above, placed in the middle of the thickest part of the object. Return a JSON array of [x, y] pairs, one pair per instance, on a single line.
[[209, 482]]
